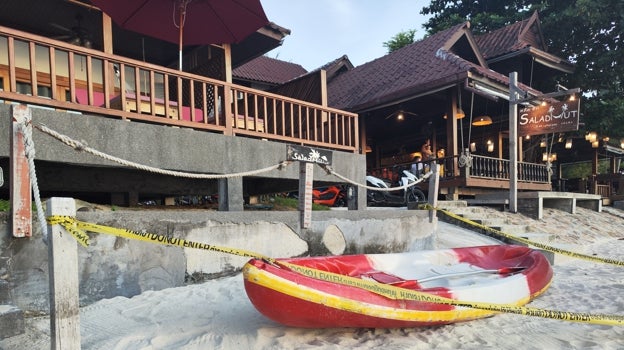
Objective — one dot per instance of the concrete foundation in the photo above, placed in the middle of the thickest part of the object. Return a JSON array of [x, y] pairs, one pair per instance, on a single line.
[[533, 203], [114, 266]]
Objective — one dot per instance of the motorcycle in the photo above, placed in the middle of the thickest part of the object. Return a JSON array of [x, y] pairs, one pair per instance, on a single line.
[[332, 196], [411, 195]]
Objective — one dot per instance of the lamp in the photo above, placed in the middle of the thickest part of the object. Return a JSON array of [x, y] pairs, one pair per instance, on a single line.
[[568, 144], [591, 136], [460, 113], [543, 143], [595, 144], [368, 149], [490, 146], [400, 114], [482, 121]]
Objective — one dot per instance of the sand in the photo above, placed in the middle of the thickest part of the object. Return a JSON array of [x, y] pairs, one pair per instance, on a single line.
[[217, 314]]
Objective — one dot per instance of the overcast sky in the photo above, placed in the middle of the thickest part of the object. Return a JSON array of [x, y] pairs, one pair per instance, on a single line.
[[323, 30]]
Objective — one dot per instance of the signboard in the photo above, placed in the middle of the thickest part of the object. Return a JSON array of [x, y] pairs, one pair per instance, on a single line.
[[309, 155], [550, 117]]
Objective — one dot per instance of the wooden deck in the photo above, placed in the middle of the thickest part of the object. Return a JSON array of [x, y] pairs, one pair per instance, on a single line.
[[40, 71]]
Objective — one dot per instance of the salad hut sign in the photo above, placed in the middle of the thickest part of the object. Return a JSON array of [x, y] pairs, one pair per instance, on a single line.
[[549, 117]]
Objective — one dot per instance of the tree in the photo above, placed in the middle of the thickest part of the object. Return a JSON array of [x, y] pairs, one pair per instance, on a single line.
[[400, 40], [587, 32]]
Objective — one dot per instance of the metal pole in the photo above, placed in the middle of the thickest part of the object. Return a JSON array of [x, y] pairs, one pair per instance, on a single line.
[[513, 142]]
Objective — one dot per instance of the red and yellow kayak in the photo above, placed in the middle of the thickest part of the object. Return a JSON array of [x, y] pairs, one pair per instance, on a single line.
[[321, 292]]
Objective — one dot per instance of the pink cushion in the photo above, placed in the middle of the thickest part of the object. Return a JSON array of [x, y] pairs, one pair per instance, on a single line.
[[197, 115], [82, 97]]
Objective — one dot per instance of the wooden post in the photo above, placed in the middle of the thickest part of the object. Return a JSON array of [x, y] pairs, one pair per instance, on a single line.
[[306, 179], [19, 183], [434, 187], [63, 279]]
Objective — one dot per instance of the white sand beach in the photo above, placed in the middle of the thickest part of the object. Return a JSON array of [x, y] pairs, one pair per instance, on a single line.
[[218, 315]]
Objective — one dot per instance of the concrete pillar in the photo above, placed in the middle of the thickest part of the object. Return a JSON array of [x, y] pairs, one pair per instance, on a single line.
[[231, 194]]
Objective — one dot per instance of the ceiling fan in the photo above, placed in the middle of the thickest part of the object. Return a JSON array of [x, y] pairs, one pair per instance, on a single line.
[[76, 35], [400, 114]]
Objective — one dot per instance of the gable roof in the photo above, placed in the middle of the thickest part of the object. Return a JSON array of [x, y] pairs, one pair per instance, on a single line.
[[513, 37], [524, 37], [335, 67], [425, 66], [268, 70]]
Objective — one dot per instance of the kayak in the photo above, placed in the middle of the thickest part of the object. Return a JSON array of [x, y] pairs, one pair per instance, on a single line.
[[366, 290]]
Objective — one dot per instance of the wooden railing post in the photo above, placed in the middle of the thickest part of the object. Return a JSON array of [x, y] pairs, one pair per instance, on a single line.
[[21, 200], [228, 108], [63, 279], [434, 187]]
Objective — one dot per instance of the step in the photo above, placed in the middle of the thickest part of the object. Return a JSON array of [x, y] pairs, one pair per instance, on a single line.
[[5, 292], [452, 204], [515, 230], [11, 321]]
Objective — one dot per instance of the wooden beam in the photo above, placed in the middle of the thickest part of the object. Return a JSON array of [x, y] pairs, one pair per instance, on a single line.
[[21, 200]]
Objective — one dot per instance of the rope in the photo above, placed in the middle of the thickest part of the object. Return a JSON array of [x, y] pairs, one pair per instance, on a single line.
[[330, 171], [82, 146]]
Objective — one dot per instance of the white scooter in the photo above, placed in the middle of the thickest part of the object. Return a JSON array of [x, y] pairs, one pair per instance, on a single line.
[[411, 195]]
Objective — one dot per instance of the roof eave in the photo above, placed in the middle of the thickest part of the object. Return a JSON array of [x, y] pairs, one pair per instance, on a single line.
[[552, 61], [542, 57], [411, 93]]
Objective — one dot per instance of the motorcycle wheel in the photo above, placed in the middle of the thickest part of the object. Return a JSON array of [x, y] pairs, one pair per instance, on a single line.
[[374, 198], [340, 202], [415, 195]]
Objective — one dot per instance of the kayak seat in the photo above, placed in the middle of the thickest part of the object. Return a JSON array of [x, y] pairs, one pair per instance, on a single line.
[[387, 278], [382, 277]]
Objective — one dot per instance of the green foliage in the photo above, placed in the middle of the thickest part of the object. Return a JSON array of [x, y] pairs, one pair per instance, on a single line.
[[400, 40], [583, 170], [4, 205], [587, 32]]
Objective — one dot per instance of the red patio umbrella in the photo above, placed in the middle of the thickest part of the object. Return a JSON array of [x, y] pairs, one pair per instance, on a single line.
[[188, 22]]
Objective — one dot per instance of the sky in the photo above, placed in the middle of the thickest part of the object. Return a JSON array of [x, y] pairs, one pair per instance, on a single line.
[[324, 30]]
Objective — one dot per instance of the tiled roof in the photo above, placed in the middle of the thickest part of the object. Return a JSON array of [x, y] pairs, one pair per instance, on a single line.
[[378, 80], [268, 70], [420, 67], [511, 38], [331, 64]]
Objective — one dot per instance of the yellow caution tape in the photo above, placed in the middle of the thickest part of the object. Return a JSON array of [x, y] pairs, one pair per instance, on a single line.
[[77, 228], [531, 243], [398, 293]]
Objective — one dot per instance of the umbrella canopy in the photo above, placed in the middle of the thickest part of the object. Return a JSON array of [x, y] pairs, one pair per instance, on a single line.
[[188, 22]]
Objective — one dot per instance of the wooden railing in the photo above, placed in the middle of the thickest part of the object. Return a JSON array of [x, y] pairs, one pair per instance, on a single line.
[[496, 168], [482, 167], [40, 71]]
